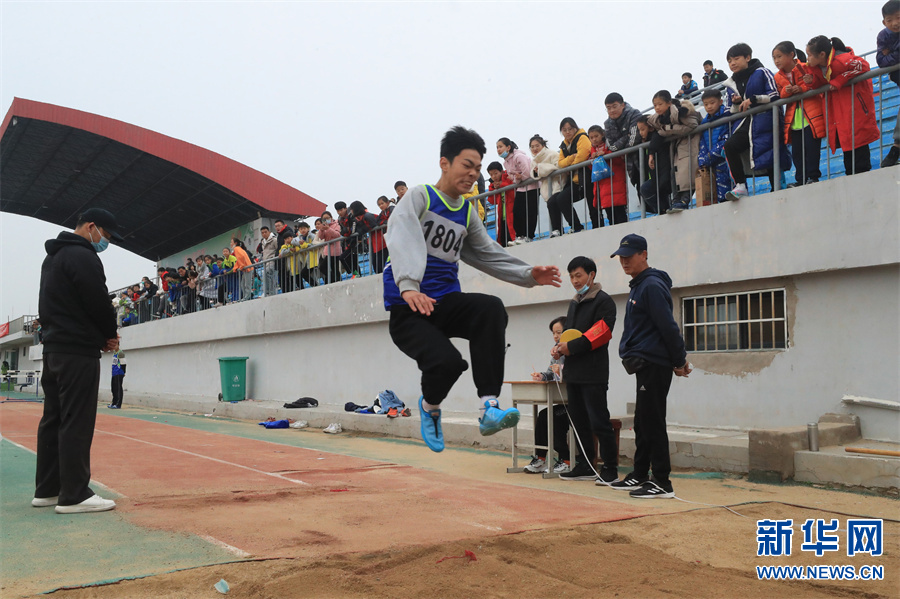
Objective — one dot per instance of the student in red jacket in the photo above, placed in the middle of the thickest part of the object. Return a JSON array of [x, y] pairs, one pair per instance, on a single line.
[[611, 193], [504, 223], [851, 112]]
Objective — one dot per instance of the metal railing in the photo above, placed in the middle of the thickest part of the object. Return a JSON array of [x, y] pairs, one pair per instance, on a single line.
[[577, 193], [365, 254], [296, 268]]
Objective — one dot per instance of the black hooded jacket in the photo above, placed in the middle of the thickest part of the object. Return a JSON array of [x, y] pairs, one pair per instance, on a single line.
[[77, 316]]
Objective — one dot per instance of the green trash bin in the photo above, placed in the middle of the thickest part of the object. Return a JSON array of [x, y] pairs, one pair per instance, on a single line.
[[233, 372]]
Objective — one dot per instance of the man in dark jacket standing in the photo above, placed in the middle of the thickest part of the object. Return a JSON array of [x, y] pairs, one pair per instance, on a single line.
[[78, 323], [651, 348], [586, 372]]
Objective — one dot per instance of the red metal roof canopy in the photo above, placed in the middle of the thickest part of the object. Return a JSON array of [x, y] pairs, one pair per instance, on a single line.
[[167, 194]]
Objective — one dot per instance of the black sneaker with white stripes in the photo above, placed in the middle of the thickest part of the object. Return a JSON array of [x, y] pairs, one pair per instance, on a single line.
[[652, 489], [629, 483]]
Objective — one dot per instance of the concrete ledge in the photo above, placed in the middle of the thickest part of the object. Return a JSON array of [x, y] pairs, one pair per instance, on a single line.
[[834, 465], [772, 450], [700, 449]]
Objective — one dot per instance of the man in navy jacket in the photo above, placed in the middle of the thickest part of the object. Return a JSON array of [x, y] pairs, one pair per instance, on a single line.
[[652, 348]]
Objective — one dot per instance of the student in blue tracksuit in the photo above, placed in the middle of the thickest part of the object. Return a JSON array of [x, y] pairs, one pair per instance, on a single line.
[[431, 230], [754, 85], [712, 142], [118, 378]]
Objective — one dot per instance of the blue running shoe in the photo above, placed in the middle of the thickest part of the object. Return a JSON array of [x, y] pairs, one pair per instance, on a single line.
[[431, 428], [495, 419]]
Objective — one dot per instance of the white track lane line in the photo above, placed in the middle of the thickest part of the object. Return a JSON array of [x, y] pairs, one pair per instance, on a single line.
[[96, 482], [229, 548], [206, 457]]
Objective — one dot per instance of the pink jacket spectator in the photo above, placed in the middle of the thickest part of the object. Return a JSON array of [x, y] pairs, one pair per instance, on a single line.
[[332, 231], [518, 168]]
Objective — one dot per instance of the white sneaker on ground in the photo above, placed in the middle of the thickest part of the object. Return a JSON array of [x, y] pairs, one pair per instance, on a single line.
[[44, 501], [554, 233], [521, 240], [536, 466], [560, 467], [299, 424], [91, 504], [333, 428]]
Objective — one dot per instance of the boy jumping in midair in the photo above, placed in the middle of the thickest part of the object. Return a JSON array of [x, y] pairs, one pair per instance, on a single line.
[[429, 233]]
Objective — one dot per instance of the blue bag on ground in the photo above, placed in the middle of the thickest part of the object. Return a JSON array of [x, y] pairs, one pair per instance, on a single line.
[[276, 424], [600, 170]]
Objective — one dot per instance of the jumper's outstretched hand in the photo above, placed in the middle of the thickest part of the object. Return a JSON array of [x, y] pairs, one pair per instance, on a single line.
[[419, 302], [546, 275]]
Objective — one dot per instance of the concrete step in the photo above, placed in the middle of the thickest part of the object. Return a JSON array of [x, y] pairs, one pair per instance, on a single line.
[[835, 465], [700, 448]]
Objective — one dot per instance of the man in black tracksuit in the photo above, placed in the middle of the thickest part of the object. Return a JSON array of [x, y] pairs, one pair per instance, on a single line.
[[78, 323], [652, 348], [586, 372]]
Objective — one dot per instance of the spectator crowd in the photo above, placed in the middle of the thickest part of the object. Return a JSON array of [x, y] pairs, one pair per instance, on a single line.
[[671, 168]]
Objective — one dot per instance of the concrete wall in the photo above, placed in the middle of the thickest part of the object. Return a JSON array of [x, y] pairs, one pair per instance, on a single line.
[[834, 247]]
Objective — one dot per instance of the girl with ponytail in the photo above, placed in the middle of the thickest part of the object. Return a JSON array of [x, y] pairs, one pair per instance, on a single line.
[[851, 109], [803, 129]]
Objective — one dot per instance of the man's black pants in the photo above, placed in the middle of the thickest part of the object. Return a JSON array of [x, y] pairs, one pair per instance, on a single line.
[[560, 432], [650, 436], [479, 318], [66, 430], [590, 414]]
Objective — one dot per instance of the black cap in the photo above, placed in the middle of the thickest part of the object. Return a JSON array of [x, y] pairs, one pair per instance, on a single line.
[[630, 245], [102, 218]]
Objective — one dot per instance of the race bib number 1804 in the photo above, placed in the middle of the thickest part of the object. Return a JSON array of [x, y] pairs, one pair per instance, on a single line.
[[443, 237]]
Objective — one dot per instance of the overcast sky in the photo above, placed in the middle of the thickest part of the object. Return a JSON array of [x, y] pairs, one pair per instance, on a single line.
[[341, 99]]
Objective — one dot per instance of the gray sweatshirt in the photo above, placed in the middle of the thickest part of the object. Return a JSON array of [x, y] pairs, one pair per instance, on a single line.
[[406, 245]]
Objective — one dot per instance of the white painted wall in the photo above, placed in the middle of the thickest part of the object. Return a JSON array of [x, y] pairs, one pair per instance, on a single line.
[[834, 244]]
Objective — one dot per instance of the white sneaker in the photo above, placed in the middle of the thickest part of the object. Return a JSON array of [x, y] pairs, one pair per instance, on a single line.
[[739, 191], [511, 243], [44, 501], [560, 467], [521, 240], [333, 428], [536, 466], [554, 233], [299, 424], [91, 504]]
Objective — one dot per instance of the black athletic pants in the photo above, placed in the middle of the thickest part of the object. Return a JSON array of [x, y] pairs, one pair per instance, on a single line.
[[560, 205], [590, 414], [560, 433], [479, 318], [860, 156], [616, 215], [66, 431], [806, 151], [525, 213], [737, 144], [650, 436]]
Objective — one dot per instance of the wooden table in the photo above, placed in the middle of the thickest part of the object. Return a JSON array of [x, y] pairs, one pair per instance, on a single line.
[[539, 394]]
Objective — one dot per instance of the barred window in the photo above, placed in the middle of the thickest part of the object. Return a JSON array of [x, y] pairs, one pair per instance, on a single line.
[[753, 321]]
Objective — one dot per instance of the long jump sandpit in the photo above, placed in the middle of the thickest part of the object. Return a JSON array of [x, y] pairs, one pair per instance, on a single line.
[[296, 513]]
